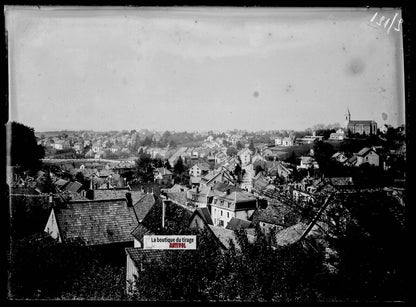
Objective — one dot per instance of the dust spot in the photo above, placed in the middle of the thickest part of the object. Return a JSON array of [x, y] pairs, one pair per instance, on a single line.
[[384, 116], [196, 21], [381, 90], [256, 94], [270, 34], [356, 66], [289, 88], [344, 49], [124, 81]]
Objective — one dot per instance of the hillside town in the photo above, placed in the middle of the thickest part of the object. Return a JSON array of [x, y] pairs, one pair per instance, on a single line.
[[107, 190]]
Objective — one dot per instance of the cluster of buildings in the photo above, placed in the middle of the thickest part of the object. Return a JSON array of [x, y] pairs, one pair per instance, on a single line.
[[225, 192]]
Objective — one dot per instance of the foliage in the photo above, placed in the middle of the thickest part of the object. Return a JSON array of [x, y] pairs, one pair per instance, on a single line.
[[251, 147], [25, 152], [144, 168], [239, 146], [231, 151], [43, 268], [179, 166], [322, 153], [256, 272]]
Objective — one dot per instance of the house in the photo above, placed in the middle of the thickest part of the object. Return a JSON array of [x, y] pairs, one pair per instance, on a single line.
[[294, 233], [96, 222], [341, 182], [260, 182], [351, 161], [278, 141], [339, 157], [275, 216], [74, 186], [199, 169], [245, 156], [143, 205], [257, 158], [176, 216], [221, 175], [200, 218], [288, 141], [163, 176], [307, 162], [137, 259], [368, 155], [339, 135], [278, 169], [236, 223], [232, 204]]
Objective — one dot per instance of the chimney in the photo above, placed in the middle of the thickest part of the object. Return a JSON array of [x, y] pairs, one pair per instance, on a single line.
[[90, 194], [163, 213], [129, 200]]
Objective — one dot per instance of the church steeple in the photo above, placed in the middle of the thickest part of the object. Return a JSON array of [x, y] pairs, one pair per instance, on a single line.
[[347, 117]]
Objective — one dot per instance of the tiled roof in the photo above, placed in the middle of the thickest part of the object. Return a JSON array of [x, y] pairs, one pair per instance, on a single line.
[[341, 181], [292, 234], [237, 196], [61, 182], [139, 255], [203, 166], [364, 151], [74, 186], [361, 122], [179, 197], [97, 222], [204, 213], [176, 188], [143, 205], [195, 180], [223, 187], [175, 216], [236, 223], [140, 231], [116, 193], [272, 214], [225, 236], [164, 171]]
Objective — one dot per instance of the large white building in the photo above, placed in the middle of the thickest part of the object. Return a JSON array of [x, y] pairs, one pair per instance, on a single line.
[[240, 205]]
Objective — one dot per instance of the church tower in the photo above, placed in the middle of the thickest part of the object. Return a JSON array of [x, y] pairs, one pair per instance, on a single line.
[[347, 118]]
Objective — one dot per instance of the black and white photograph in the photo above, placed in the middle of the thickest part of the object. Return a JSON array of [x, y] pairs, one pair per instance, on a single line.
[[206, 154]]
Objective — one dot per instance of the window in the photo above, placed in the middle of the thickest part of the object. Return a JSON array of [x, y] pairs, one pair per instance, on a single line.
[[221, 212], [228, 214]]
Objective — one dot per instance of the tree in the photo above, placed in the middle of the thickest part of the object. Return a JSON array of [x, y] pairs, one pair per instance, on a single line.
[[251, 146], [43, 268], [322, 153], [231, 151], [25, 152], [144, 168], [179, 167], [167, 165], [239, 145]]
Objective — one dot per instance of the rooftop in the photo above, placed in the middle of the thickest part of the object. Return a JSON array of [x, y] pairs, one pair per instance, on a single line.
[[97, 222]]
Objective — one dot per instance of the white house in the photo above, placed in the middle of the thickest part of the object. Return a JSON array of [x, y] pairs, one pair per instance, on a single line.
[[240, 205], [245, 156], [368, 155], [199, 169], [287, 141]]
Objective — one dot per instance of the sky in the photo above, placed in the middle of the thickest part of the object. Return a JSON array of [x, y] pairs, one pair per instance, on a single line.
[[200, 69]]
